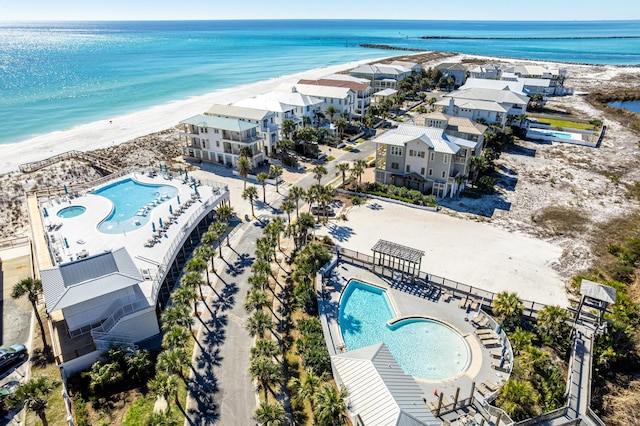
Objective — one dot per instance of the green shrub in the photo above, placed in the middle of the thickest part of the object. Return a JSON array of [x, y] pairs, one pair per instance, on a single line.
[[486, 184]]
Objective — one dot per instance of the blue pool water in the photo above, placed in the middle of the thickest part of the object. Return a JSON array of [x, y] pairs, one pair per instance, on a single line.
[[425, 349], [129, 198], [558, 135], [73, 211]]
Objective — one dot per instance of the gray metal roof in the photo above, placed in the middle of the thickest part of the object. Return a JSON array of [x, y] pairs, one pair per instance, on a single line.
[[379, 391], [75, 282], [491, 95], [399, 251], [232, 111], [222, 123], [597, 291], [433, 137], [483, 83]]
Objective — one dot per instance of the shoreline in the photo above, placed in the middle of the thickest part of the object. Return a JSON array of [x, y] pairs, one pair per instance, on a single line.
[[113, 131], [116, 130]]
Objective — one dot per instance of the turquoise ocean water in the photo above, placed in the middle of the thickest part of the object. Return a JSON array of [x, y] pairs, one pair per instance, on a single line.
[[56, 75]]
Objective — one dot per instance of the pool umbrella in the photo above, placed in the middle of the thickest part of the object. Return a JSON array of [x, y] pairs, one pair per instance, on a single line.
[[499, 329], [160, 222], [468, 308], [66, 191], [45, 212], [170, 209], [504, 350], [502, 361], [66, 243], [153, 227], [186, 174], [195, 188], [180, 170], [160, 166], [178, 199]]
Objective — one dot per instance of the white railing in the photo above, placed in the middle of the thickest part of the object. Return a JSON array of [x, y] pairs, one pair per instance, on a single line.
[[116, 315]]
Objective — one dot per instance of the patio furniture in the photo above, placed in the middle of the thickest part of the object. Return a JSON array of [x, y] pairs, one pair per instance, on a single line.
[[489, 343], [483, 331], [481, 321], [496, 353], [505, 365]]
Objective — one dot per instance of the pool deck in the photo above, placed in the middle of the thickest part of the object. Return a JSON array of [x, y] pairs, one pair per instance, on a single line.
[[479, 369]]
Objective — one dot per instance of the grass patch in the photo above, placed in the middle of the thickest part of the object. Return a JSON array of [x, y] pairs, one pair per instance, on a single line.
[[348, 147], [561, 220], [566, 124], [360, 140], [331, 158]]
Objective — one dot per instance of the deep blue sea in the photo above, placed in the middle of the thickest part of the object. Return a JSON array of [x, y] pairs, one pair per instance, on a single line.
[[56, 75]]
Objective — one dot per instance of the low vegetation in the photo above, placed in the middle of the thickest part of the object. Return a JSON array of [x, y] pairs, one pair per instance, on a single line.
[[400, 193], [567, 124]]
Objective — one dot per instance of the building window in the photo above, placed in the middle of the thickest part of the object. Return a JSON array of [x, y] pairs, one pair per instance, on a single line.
[[421, 154], [395, 166], [216, 130], [430, 172], [396, 150], [443, 173], [408, 168], [432, 156], [218, 144], [445, 158], [410, 153], [422, 171]]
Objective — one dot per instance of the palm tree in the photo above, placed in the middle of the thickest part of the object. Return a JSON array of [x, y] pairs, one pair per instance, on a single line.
[[34, 394], [193, 281], [478, 164], [288, 206], [507, 307], [258, 323], [319, 171], [138, 365], [209, 238], [166, 386], [305, 389], [173, 361], [244, 167], [204, 253], [176, 316], [329, 406], [283, 146], [276, 171], [518, 399], [331, 110], [197, 265], [341, 125], [266, 372], [176, 338], [266, 348], [276, 227], [288, 126], [295, 194], [520, 339], [32, 288], [250, 193], [256, 300], [218, 229], [357, 171], [270, 414], [262, 178], [258, 281], [225, 214], [343, 168], [318, 117], [552, 321]]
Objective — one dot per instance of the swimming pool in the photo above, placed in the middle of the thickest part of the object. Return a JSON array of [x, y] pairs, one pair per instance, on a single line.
[[132, 203], [424, 348], [69, 212]]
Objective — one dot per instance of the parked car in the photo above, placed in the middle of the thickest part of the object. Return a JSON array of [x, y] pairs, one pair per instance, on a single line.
[[11, 354], [322, 210]]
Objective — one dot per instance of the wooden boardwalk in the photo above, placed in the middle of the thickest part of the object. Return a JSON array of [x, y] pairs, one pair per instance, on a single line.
[[99, 163]]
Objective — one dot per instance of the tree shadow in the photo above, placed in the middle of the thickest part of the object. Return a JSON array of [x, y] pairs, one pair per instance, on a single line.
[[340, 233], [521, 150], [226, 298], [505, 181], [209, 358]]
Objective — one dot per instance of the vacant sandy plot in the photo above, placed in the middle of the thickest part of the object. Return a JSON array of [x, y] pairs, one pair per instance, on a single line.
[[472, 253]]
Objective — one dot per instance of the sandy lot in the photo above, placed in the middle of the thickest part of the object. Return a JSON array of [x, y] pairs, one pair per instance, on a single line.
[[472, 253]]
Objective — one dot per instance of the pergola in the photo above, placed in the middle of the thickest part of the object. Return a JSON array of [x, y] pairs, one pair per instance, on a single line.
[[598, 296], [397, 257]]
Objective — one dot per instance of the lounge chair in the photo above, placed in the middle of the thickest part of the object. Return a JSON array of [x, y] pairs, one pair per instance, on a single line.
[[483, 331], [481, 321], [488, 336], [505, 366], [496, 353], [483, 390], [489, 385], [463, 303], [488, 343]]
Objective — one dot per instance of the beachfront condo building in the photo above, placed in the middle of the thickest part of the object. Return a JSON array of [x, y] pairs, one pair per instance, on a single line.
[[361, 86], [285, 105], [385, 76], [434, 158], [225, 132]]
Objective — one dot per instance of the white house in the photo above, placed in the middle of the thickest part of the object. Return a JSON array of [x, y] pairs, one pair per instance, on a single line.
[[555, 76], [344, 99], [515, 86], [454, 69], [487, 72], [490, 105], [359, 85], [385, 76], [290, 105]]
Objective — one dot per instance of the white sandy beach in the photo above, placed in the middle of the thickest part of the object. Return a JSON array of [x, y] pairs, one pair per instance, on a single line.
[[115, 130]]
